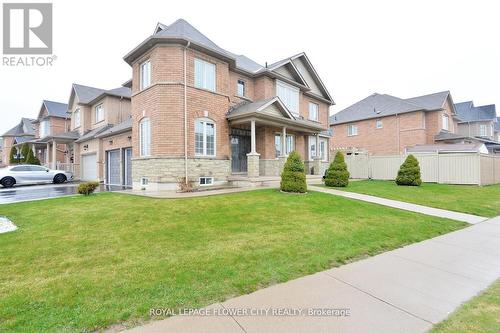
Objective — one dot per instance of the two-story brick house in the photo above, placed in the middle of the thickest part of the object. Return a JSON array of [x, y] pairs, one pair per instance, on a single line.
[[382, 124], [24, 131], [210, 116]]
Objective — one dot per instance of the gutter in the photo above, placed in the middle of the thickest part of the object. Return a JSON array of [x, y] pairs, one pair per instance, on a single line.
[[185, 116]]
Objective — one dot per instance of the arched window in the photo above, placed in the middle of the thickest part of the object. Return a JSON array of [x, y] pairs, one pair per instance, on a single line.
[[204, 139], [145, 137]]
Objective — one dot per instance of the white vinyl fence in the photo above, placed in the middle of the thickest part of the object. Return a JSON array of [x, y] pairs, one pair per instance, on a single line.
[[452, 168]]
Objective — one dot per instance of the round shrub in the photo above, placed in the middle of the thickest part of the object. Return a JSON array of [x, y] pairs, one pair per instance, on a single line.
[[409, 172], [293, 177], [337, 174], [87, 188]]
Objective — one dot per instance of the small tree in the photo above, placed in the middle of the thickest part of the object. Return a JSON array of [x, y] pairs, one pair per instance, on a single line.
[[293, 177], [31, 158], [409, 172], [14, 156], [24, 153], [337, 174]]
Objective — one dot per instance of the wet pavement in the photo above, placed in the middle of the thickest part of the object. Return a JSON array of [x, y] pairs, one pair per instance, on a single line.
[[37, 192]]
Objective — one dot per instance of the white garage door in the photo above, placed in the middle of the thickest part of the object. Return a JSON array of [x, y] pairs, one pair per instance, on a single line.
[[89, 167]]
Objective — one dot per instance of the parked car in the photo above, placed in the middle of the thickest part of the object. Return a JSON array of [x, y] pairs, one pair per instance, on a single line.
[[32, 174]]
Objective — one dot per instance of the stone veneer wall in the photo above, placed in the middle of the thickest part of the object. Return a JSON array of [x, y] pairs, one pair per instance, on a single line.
[[164, 172], [272, 167]]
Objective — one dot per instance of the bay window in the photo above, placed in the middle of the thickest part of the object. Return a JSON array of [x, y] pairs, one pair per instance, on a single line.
[[204, 140], [44, 128], [204, 74], [145, 137], [289, 95]]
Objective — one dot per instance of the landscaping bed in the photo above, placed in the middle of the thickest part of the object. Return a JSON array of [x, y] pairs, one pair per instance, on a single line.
[[85, 263]]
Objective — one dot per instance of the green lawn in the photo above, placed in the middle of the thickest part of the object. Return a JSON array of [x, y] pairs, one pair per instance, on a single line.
[[480, 315], [84, 263], [477, 200]]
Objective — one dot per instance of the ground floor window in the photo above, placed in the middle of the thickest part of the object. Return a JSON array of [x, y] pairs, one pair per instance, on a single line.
[[322, 149], [204, 140], [205, 181], [290, 144]]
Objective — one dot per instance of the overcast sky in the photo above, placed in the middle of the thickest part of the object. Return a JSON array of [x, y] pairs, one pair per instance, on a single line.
[[402, 48]]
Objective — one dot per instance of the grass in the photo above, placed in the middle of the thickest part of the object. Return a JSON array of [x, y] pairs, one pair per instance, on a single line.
[[85, 263], [480, 315], [477, 200]]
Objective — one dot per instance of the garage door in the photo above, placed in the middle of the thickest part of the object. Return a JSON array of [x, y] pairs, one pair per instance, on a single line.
[[113, 167], [89, 167]]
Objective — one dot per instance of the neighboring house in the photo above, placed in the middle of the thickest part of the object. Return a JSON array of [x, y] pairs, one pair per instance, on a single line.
[[382, 124], [497, 129], [476, 121], [201, 112], [23, 132], [102, 143], [1, 152], [475, 125]]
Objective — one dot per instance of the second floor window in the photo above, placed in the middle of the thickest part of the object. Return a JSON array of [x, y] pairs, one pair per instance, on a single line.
[[313, 111], [76, 117], [352, 130], [99, 113], [378, 123], [44, 128], [241, 88], [145, 137], [204, 139], [483, 129], [145, 74], [204, 74], [289, 95], [446, 122]]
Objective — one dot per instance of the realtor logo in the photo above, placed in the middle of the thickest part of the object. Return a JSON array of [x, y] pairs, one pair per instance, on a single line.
[[27, 28]]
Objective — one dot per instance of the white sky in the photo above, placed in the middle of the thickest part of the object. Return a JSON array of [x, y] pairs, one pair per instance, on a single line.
[[402, 48]]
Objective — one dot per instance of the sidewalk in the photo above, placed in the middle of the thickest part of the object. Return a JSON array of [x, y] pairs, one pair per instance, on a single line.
[[404, 290], [468, 218]]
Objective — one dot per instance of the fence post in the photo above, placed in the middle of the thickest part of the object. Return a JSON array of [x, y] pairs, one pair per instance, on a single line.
[[438, 168]]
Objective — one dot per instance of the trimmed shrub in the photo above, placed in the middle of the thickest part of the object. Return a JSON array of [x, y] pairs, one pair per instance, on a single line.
[[337, 174], [25, 149], [293, 177], [87, 188], [409, 172]]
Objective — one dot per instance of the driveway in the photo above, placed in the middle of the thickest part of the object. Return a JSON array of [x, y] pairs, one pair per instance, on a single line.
[[37, 192]]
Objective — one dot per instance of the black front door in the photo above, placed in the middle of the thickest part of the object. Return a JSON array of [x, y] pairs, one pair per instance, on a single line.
[[240, 147]]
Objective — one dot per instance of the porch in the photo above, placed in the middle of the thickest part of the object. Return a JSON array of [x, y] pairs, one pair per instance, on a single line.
[[262, 134]]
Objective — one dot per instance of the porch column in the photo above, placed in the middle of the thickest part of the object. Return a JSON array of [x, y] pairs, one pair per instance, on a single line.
[[283, 142], [253, 163], [317, 158], [47, 155], [54, 153]]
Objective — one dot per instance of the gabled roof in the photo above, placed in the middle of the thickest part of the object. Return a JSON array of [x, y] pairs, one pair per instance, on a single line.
[[88, 95], [467, 112], [25, 127], [183, 32], [381, 105], [54, 109], [259, 106]]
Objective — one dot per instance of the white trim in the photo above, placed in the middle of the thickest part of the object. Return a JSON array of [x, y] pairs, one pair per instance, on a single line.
[[303, 54], [206, 178], [309, 111], [281, 104], [377, 122], [204, 122], [142, 84], [144, 152], [352, 132], [204, 79], [101, 106], [284, 85]]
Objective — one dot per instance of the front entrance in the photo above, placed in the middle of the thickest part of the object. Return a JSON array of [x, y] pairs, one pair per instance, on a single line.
[[240, 147], [113, 164]]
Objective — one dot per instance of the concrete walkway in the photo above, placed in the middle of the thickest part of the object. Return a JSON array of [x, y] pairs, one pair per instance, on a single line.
[[468, 218], [404, 290]]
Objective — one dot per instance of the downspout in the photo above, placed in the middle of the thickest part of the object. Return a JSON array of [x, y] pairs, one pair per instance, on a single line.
[[185, 116]]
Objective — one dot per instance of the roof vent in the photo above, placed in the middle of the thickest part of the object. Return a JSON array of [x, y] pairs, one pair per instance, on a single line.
[[376, 111]]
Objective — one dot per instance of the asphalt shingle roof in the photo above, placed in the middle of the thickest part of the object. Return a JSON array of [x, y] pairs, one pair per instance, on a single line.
[[56, 109], [467, 112], [25, 127], [93, 133], [88, 94], [380, 105], [497, 125], [121, 127]]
